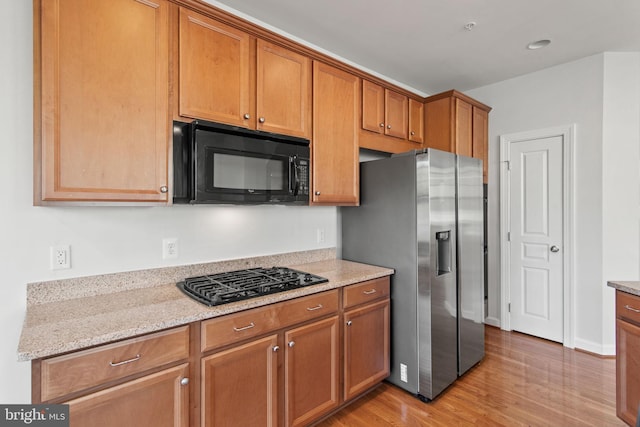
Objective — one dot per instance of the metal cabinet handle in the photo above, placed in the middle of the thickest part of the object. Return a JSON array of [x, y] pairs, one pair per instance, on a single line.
[[164, 189], [261, 119], [247, 116], [317, 193], [291, 344], [412, 133], [381, 125], [317, 307], [184, 381], [124, 362], [628, 307], [349, 323], [276, 348], [244, 328], [372, 291], [554, 249], [388, 126]]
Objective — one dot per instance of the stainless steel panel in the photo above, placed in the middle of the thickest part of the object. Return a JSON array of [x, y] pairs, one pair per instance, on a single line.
[[437, 304], [382, 231], [470, 263]]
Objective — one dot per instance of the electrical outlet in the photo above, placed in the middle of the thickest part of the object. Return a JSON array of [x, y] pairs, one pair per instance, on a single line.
[[403, 373], [170, 248], [60, 257], [320, 235]]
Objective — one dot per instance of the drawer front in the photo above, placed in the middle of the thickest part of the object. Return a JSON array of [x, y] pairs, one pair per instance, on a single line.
[[628, 306], [238, 327], [307, 308], [73, 372], [365, 292]]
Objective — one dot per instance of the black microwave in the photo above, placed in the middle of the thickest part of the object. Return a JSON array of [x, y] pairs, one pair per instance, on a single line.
[[217, 163]]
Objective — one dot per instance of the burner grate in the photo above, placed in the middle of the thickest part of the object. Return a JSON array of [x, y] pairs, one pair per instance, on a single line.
[[232, 286]]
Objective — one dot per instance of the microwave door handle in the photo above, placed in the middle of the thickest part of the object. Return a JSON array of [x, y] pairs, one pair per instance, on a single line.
[[295, 185]]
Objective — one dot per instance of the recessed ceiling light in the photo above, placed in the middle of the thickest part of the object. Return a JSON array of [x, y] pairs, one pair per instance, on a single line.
[[538, 44]]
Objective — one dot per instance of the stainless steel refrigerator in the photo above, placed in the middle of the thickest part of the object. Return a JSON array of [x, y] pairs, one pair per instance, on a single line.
[[421, 213]]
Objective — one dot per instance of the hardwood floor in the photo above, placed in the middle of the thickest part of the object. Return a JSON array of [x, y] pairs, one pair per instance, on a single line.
[[522, 381]]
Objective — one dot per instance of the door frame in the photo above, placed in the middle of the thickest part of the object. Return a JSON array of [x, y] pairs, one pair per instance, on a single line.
[[567, 133]]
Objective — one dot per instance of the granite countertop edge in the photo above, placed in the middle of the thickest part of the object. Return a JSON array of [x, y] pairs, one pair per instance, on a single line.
[[630, 287], [63, 326]]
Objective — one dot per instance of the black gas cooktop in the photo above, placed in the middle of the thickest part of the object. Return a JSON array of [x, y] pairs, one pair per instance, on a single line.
[[232, 286]]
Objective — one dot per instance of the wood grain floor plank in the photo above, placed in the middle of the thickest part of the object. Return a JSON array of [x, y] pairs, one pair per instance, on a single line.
[[522, 381]]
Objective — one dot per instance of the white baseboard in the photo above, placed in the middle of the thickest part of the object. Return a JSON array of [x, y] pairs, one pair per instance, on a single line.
[[593, 347], [492, 321]]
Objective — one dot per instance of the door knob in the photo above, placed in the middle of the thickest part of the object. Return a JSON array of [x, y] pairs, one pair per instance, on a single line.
[[554, 248]]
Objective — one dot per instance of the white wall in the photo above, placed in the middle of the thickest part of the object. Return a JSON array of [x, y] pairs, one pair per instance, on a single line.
[[105, 239], [584, 92]]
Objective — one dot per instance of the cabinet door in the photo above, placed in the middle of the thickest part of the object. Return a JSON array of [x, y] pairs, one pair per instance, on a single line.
[[334, 146], [439, 124], [214, 70], [102, 70], [240, 385], [627, 371], [156, 400], [366, 347], [283, 91], [395, 114], [416, 121], [481, 139], [372, 107], [463, 128], [311, 371]]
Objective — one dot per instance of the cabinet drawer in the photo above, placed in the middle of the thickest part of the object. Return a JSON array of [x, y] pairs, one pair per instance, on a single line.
[[367, 291], [62, 375], [306, 308], [238, 326], [628, 306], [255, 322]]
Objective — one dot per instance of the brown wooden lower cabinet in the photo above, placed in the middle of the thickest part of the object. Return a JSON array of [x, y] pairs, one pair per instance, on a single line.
[[290, 363], [628, 357], [311, 371], [241, 384], [155, 400], [366, 347]]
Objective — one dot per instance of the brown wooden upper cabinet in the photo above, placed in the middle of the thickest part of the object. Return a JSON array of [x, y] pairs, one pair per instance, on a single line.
[[101, 116], [384, 111], [457, 123], [334, 147], [416, 121], [227, 76]]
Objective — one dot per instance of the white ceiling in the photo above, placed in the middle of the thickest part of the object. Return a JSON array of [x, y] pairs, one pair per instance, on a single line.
[[423, 45]]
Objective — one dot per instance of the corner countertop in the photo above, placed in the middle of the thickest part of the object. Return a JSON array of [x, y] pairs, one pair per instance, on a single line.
[[628, 287], [60, 326]]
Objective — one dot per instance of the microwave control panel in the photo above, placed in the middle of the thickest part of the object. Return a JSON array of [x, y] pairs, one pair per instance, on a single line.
[[303, 171]]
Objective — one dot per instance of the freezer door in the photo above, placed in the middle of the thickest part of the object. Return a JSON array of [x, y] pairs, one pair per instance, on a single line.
[[437, 303], [470, 263]]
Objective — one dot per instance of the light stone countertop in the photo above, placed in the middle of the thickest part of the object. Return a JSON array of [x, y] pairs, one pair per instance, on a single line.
[[628, 287], [57, 325]]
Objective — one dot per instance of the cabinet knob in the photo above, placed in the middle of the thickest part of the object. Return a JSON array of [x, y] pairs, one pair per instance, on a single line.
[[349, 323], [184, 381], [381, 125], [317, 193], [276, 348], [291, 343], [388, 126], [247, 116], [261, 119], [164, 189], [412, 133]]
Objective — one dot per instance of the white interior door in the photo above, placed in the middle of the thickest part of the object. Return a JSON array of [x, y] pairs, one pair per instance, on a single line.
[[536, 237]]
